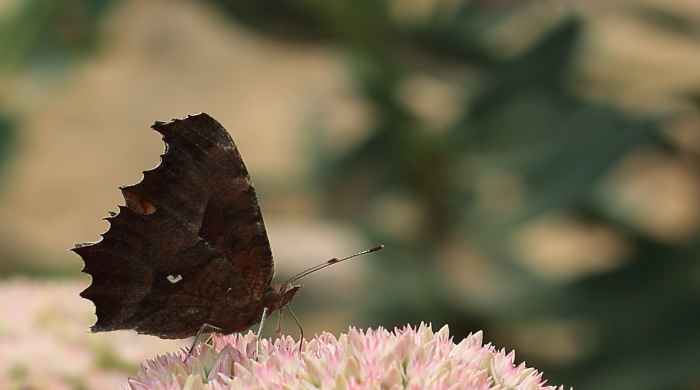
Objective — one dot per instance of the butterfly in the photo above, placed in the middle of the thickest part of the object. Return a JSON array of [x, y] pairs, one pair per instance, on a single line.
[[189, 249]]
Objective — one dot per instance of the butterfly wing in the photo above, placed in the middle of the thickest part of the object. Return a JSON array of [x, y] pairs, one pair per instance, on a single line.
[[190, 243]]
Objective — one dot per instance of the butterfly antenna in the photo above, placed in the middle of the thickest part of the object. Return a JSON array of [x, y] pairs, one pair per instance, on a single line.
[[331, 262]]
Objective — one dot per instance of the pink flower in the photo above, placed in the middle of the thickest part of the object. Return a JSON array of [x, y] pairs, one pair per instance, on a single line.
[[45, 344], [408, 358]]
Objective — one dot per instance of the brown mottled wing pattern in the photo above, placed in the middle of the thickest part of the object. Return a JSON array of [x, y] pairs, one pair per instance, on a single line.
[[189, 244]]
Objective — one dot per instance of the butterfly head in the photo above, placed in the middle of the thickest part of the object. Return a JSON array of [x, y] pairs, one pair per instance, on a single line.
[[278, 297]]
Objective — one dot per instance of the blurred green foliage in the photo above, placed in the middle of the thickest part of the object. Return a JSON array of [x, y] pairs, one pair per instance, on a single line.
[[48, 32], [640, 323], [7, 142], [43, 33]]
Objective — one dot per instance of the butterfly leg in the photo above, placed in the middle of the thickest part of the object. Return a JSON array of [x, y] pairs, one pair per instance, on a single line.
[[260, 328], [201, 330], [278, 331], [301, 329]]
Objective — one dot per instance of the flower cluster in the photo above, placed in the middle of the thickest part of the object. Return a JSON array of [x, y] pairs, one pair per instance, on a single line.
[[45, 341], [408, 358]]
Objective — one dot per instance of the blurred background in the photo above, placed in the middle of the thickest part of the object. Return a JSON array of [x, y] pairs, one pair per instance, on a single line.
[[532, 166]]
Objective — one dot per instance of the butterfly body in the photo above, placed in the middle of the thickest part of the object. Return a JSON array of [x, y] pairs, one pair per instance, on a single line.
[[189, 248]]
